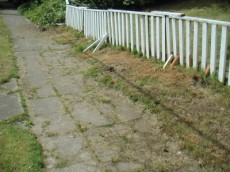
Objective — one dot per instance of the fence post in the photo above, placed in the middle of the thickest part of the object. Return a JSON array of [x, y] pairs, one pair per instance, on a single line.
[[168, 37], [119, 28], [181, 40], [158, 36], [195, 45], [127, 29], [163, 38], [152, 27], [123, 29], [174, 32], [223, 54], [188, 43], [204, 45], [137, 32], [142, 35], [213, 49], [132, 32], [146, 35]]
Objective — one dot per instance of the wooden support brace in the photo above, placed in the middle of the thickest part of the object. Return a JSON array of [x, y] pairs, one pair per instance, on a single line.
[[207, 70], [174, 61], [167, 62], [100, 41]]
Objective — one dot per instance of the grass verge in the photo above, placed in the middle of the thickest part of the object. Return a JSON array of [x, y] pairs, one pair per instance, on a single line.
[[19, 149], [192, 108], [8, 68]]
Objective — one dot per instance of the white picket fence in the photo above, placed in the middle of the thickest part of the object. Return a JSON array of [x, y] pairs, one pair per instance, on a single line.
[[197, 41]]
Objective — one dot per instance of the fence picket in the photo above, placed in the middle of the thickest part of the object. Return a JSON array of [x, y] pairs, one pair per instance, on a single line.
[[123, 29], [137, 32], [204, 45], [229, 74], [174, 37], [223, 54], [213, 49], [142, 35], [74, 19], [85, 21], [116, 28], [127, 30], [112, 28], [188, 43], [147, 36], [97, 23], [131, 32], [195, 45], [158, 37], [168, 36], [152, 37], [181, 38], [108, 27], [163, 33], [105, 23]]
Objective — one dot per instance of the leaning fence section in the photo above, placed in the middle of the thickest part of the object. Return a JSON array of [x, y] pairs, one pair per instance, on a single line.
[[198, 43]]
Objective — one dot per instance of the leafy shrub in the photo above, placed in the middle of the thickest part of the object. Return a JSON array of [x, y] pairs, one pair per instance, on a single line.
[[47, 12], [128, 4]]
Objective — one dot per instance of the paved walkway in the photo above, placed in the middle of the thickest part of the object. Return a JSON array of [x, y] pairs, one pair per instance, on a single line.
[[81, 126]]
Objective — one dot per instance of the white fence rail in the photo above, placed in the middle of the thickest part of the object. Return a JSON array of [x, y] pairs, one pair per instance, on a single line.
[[198, 42]]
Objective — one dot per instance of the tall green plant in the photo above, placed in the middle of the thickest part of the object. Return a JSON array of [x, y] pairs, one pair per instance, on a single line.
[[46, 12], [118, 3]]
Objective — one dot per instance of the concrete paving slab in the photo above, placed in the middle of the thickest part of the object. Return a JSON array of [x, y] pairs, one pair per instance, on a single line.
[[143, 126], [127, 166], [87, 114], [67, 86], [27, 54], [62, 124], [10, 106], [45, 91], [81, 167], [126, 112], [27, 45], [8, 87], [45, 106], [66, 146]]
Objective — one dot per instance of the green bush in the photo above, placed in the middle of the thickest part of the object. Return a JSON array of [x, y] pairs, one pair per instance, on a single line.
[[121, 4], [46, 12]]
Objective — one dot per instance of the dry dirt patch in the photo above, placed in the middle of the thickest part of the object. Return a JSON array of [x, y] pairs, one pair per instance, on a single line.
[[198, 114]]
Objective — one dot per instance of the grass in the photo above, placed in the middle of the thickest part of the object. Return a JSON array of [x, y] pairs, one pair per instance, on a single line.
[[212, 9], [19, 149], [8, 68]]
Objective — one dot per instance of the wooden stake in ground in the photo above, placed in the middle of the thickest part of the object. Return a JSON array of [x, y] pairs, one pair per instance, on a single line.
[[174, 61], [207, 70], [167, 62]]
